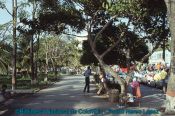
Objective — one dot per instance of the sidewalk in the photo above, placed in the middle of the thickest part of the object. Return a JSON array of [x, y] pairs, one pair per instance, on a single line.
[[68, 94], [152, 99]]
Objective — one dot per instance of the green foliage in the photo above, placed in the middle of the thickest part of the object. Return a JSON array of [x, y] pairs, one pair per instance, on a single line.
[[87, 56], [2, 4], [5, 56], [60, 52], [148, 23], [146, 16], [90, 7], [60, 20], [117, 55], [21, 12], [23, 54], [53, 15]]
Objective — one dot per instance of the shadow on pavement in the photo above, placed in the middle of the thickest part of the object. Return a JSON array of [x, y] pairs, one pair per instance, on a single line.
[[68, 94]]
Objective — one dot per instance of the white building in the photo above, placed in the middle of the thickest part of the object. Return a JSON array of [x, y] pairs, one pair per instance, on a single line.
[[158, 55]]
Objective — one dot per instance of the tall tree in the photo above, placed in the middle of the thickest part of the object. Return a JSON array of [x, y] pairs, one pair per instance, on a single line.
[[143, 19], [29, 26], [57, 16], [58, 52], [32, 63], [14, 13], [14, 5], [97, 14], [170, 95]]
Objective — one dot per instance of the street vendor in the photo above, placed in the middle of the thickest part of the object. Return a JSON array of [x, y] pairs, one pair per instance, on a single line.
[[161, 75]]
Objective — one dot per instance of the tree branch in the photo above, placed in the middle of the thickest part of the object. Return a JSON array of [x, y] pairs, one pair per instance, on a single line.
[[105, 67], [7, 29], [8, 11], [75, 35], [151, 52], [109, 49], [116, 43], [104, 27], [91, 42], [168, 48]]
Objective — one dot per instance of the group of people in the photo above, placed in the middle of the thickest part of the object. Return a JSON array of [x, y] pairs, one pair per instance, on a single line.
[[134, 84], [160, 71], [87, 74]]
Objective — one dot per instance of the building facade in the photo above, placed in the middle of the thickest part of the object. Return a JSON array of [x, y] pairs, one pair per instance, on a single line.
[[158, 56]]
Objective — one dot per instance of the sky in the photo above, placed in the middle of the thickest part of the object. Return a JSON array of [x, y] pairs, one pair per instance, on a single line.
[[4, 15]]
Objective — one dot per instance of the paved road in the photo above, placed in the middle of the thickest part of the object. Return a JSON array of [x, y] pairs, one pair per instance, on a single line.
[[68, 94]]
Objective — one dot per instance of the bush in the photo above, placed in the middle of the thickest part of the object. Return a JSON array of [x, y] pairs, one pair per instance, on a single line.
[[43, 83], [5, 80], [64, 71], [53, 79], [72, 73], [23, 83]]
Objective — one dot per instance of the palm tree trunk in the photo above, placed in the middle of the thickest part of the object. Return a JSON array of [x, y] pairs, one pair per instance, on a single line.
[[36, 60], [47, 60], [31, 61], [14, 2], [46, 69], [33, 78]]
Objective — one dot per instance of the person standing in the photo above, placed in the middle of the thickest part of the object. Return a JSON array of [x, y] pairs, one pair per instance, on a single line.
[[103, 84], [87, 74], [136, 90]]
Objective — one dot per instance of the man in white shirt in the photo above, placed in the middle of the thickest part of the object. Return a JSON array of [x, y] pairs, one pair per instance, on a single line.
[[87, 73]]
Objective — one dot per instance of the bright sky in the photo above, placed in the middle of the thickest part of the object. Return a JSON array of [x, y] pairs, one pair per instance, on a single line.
[[4, 16]]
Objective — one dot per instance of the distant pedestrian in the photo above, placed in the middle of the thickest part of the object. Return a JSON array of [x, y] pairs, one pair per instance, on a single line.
[[87, 74]]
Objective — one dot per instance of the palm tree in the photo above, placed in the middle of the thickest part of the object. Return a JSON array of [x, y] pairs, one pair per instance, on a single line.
[[5, 50], [14, 3]]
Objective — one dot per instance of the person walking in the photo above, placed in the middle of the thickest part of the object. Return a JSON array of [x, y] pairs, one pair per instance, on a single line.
[[87, 74]]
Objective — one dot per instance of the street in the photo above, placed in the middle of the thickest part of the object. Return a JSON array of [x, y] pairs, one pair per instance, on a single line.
[[68, 94]]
